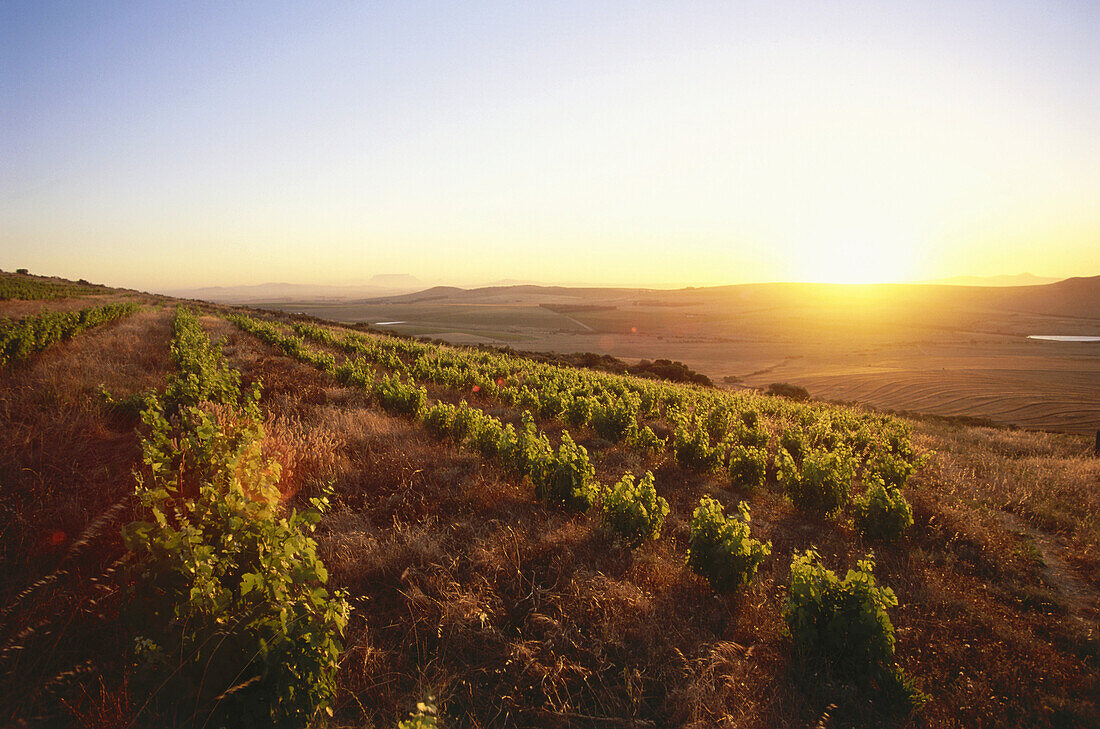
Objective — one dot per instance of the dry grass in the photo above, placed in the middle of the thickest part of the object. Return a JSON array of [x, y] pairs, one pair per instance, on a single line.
[[517, 615], [64, 457], [19, 308], [65, 474], [514, 614]]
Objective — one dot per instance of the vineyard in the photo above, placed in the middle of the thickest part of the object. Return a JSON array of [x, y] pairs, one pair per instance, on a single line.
[[22, 286], [19, 338], [327, 527]]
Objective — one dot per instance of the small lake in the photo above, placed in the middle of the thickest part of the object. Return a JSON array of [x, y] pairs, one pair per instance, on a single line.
[[385, 323], [1059, 338]]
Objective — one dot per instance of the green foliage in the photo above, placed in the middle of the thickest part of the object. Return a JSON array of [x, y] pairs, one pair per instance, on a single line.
[[400, 398], [439, 419], [753, 436], [488, 436], [617, 419], [892, 469], [845, 621], [234, 625], [526, 451], [821, 485], [717, 422], [423, 718], [570, 479], [747, 466], [20, 338], [578, 412], [881, 512], [24, 286], [692, 445], [793, 440], [203, 374], [721, 549], [614, 405], [644, 440], [633, 511]]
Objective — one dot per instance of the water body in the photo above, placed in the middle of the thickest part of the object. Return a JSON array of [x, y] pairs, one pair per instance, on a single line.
[[1059, 338], [384, 323]]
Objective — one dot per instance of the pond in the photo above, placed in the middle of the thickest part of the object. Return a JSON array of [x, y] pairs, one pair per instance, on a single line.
[[1060, 338]]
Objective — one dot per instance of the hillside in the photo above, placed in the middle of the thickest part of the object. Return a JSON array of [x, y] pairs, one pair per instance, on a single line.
[[470, 581], [948, 350]]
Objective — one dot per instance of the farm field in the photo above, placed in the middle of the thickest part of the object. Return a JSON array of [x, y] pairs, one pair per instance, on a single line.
[[947, 350], [481, 557]]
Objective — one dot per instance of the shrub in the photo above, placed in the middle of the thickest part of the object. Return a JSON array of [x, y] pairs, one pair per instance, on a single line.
[[463, 422], [692, 445], [616, 419], [527, 451], [794, 441], [787, 390], [747, 466], [203, 374], [400, 398], [226, 591], [881, 512], [717, 421], [645, 440], [423, 718], [721, 549], [821, 485], [489, 437], [845, 621], [754, 436], [570, 479], [892, 469], [578, 411], [439, 420], [633, 511]]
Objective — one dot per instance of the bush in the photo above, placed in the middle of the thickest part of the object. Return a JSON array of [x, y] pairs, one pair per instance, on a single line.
[[439, 420], [578, 411], [633, 511], [570, 479], [489, 437], [615, 420], [793, 440], [463, 422], [787, 390], [717, 422], [820, 487], [692, 445], [400, 398], [845, 621], [882, 513], [747, 466], [526, 452], [721, 549], [645, 440], [892, 469], [226, 592], [754, 436], [423, 718]]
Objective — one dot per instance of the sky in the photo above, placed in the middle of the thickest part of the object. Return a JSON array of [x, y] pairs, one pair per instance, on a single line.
[[163, 145]]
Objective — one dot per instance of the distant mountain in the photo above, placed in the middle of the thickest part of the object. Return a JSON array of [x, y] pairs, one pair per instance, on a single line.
[[288, 292], [404, 281], [1019, 279]]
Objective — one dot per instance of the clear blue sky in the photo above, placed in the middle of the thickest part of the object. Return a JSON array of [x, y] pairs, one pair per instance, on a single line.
[[161, 144]]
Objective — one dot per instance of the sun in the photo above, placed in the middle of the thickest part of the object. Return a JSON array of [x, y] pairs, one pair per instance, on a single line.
[[858, 260]]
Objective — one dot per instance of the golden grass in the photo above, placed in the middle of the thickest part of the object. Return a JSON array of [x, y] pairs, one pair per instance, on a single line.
[[514, 614]]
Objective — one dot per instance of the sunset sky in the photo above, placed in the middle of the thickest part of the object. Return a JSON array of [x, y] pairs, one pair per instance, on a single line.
[[161, 145]]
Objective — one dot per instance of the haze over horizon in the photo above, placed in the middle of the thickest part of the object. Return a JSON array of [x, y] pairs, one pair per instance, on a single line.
[[165, 146]]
